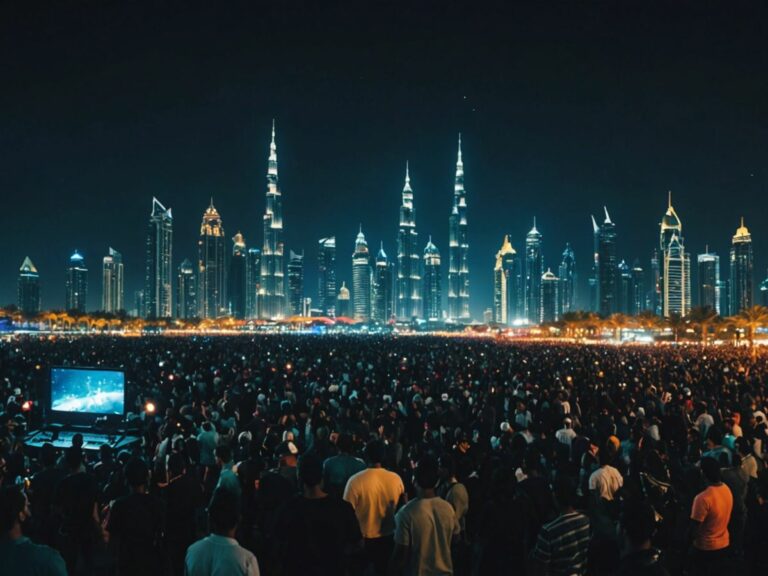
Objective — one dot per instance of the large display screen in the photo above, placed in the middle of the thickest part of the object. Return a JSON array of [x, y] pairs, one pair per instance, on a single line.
[[87, 391]]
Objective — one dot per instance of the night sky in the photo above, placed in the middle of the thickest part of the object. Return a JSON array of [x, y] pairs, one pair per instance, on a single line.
[[563, 107]]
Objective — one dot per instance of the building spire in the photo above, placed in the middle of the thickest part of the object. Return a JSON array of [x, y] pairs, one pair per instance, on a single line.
[[407, 186], [273, 153], [669, 201], [595, 227], [607, 216]]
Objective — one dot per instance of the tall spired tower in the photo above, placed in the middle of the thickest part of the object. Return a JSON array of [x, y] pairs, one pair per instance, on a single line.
[[408, 259], [675, 275], [458, 249], [272, 254]]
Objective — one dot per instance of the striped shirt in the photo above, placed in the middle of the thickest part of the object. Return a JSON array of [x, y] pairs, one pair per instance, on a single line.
[[563, 545]]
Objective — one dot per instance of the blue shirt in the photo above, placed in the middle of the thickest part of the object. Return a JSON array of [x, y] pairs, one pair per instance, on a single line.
[[22, 556]]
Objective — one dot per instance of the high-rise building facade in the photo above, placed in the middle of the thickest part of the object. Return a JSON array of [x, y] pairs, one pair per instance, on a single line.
[[326, 275], [342, 302], [361, 279], [675, 272], [409, 304], [252, 282], [186, 287], [742, 271], [139, 303], [507, 285], [433, 293], [76, 284], [383, 308], [272, 304], [637, 295], [112, 290], [624, 292], [534, 270], [607, 267], [550, 297], [158, 281], [28, 288], [568, 281], [458, 249], [653, 300], [295, 283], [709, 280], [212, 266], [237, 276], [763, 290]]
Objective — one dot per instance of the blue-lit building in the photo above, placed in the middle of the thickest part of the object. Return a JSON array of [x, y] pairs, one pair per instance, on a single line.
[[326, 275], [237, 276], [433, 294], [295, 283], [158, 281], [383, 303], [742, 271], [409, 302], [458, 250], [212, 266], [28, 288], [568, 281], [186, 287], [507, 285], [534, 270], [76, 284], [709, 280], [606, 267], [272, 289]]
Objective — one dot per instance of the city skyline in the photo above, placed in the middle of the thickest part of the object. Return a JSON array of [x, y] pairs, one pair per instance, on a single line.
[[552, 125]]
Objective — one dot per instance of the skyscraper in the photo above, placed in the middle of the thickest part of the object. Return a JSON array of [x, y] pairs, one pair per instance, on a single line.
[[458, 249], [568, 281], [606, 265], [624, 293], [433, 293], [383, 278], [272, 253], [112, 295], [238, 267], [76, 283], [252, 282], [158, 280], [742, 270], [653, 302], [342, 301], [764, 292], [550, 285], [507, 289], [186, 286], [212, 266], [361, 279], [295, 283], [408, 260], [709, 280], [637, 296], [326, 275], [675, 266], [534, 270], [594, 288], [28, 288]]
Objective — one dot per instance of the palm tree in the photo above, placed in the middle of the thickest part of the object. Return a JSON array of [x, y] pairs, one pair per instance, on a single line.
[[570, 322], [677, 323], [704, 317], [618, 323], [751, 319]]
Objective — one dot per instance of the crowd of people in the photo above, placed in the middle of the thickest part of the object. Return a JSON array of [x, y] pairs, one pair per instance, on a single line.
[[384, 455]]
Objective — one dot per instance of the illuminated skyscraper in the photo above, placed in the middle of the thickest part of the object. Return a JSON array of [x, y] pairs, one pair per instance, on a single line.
[[408, 260], [534, 270], [606, 266], [742, 271], [624, 292], [550, 299], [507, 288], [458, 249], [637, 294], [342, 301], [252, 282], [28, 288], [568, 281], [272, 254], [112, 295], [361, 279], [295, 283], [709, 280], [186, 291], [326, 275], [212, 266], [237, 276], [76, 283], [158, 281], [653, 302], [433, 293], [383, 279], [764, 292], [594, 286], [675, 266]]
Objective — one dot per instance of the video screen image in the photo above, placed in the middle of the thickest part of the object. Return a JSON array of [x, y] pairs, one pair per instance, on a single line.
[[87, 391]]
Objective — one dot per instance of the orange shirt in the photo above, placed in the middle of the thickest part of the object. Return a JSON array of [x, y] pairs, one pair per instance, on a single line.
[[712, 508]]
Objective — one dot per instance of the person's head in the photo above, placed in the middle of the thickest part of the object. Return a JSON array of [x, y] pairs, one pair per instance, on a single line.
[[639, 521], [447, 466], [224, 512], [743, 446], [565, 492], [48, 455], [344, 443], [73, 458], [374, 452], [711, 470], [77, 440], [287, 453], [136, 473], [105, 453], [714, 436], [14, 509], [310, 470], [426, 474], [223, 455]]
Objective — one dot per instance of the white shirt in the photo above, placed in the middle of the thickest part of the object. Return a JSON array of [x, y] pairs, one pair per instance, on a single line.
[[606, 481], [374, 494], [217, 555], [427, 526], [565, 436]]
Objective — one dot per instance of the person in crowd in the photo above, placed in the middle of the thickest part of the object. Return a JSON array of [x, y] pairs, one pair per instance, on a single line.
[[710, 515], [227, 477], [375, 494], [639, 525], [341, 467], [425, 528], [219, 552], [43, 492]]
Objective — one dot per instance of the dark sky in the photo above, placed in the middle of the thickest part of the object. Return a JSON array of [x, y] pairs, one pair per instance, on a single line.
[[563, 107]]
